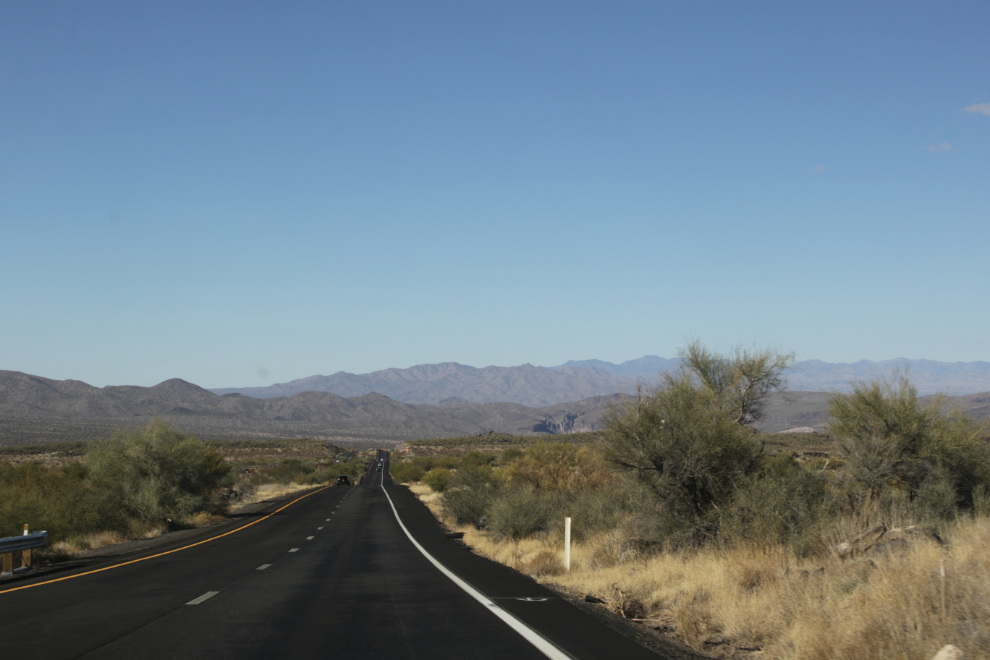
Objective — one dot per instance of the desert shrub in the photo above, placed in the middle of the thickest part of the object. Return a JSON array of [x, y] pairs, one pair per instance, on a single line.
[[595, 511], [406, 472], [155, 472], [690, 452], [545, 466], [892, 441], [545, 562], [782, 503], [476, 458], [510, 454], [469, 494], [981, 500], [522, 511], [448, 461], [437, 479], [354, 467], [289, 470], [59, 500]]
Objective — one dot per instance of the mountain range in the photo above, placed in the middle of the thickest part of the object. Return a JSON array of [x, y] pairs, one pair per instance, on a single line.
[[36, 409], [426, 401], [576, 380]]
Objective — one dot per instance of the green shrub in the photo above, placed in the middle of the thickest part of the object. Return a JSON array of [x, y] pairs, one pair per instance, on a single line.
[[679, 442], [785, 503], [891, 440], [405, 472], [469, 494], [58, 500], [289, 470], [155, 472], [596, 511], [521, 511], [510, 454], [476, 458], [437, 479]]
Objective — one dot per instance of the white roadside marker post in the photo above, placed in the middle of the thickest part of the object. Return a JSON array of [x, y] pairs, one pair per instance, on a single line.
[[567, 544]]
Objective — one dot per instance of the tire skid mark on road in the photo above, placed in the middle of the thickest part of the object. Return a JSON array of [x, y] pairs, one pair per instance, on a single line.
[[168, 552]]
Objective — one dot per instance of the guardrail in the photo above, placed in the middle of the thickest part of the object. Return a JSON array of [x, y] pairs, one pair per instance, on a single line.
[[23, 545]]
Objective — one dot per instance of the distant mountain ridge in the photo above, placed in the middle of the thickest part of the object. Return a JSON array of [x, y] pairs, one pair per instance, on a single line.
[[577, 380], [27, 398], [432, 383], [35, 409]]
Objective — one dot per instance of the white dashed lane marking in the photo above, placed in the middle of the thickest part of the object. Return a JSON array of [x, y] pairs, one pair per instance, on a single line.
[[206, 596], [310, 538], [262, 567], [294, 550]]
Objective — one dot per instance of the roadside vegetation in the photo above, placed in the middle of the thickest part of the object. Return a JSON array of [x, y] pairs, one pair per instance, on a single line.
[[688, 521], [143, 482]]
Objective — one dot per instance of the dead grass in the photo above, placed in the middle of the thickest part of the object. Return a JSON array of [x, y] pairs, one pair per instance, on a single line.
[[734, 600], [266, 492]]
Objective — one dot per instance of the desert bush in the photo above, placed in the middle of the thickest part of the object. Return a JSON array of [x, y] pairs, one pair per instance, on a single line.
[[510, 454], [542, 564], [596, 511], [739, 384], [892, 441], [684, 448], [289, 470], [470, 493], [155, 472], [545, 466], [783, 503], [475, 458], [522, 511], [448, 461], [59, 500], [406, 472], [437, 479]]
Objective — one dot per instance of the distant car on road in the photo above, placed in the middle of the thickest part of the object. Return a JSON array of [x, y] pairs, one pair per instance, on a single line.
[[343, 480]]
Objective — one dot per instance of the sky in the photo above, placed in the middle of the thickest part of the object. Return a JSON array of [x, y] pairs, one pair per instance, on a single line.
[[243, 193]]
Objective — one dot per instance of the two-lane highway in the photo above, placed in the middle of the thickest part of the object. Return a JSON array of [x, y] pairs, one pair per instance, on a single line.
[[334, 572]]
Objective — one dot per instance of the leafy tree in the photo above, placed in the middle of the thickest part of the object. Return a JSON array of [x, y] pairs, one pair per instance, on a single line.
[[740, 384], [684, 445], [891, 440]]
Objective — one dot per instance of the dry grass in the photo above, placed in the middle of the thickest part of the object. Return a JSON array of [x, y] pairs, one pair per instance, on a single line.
[[266, 492], [732, 600]]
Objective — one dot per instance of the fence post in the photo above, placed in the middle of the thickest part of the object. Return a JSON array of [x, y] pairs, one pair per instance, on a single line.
[[26, 554], [567, 544]]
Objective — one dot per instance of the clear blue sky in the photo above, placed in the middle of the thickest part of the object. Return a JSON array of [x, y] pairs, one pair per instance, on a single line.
[[244, 193]]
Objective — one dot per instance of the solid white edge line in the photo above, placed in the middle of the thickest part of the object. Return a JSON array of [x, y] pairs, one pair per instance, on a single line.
[[206, 596], [544, 645]]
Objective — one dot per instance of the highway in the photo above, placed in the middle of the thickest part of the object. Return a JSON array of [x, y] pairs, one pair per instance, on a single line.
[[330, 573]]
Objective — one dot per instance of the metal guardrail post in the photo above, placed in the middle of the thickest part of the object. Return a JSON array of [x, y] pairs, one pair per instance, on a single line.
[[22, 545]]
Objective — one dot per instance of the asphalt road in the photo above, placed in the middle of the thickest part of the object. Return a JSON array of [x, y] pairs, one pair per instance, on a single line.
[[332, 573]]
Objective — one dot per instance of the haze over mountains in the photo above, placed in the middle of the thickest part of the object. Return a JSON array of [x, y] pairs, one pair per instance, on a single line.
[[576, 380]]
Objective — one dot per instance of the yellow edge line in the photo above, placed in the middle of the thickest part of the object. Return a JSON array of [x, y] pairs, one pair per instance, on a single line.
[[162, 554]]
